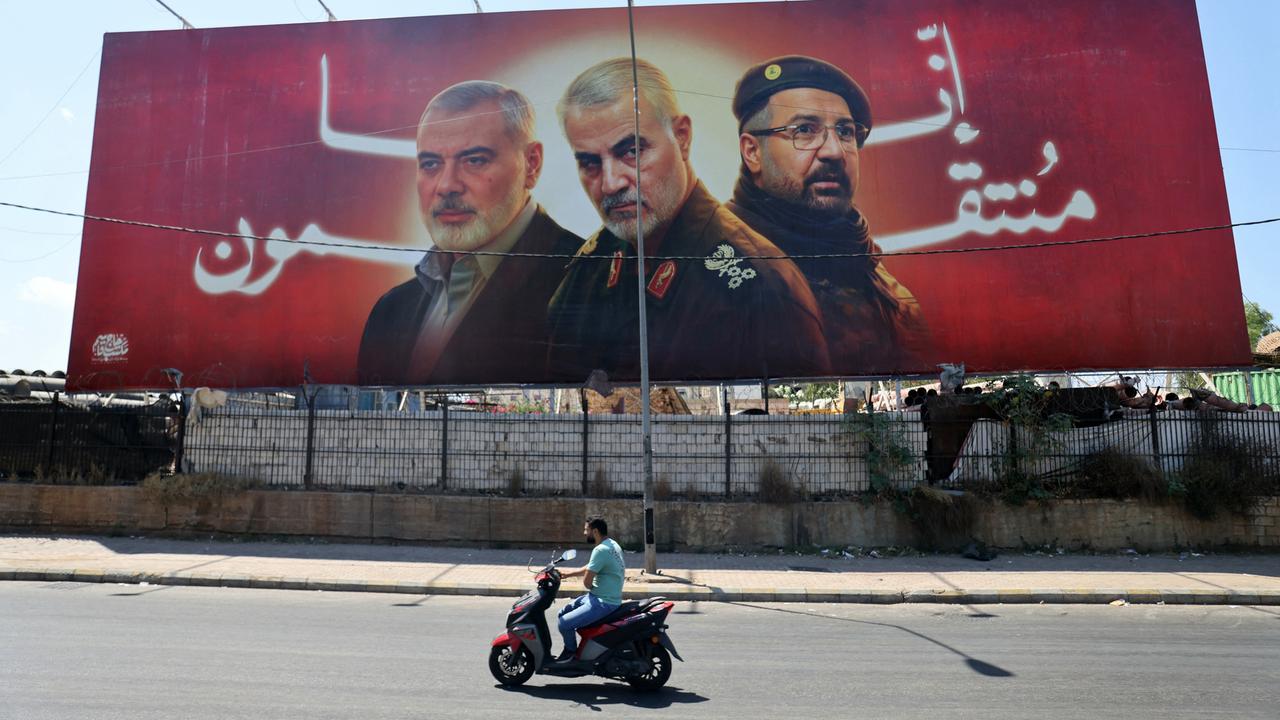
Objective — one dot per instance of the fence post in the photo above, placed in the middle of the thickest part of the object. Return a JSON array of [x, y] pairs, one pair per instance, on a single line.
[[180, 451], [586, 435], [1014, 462], [444, 443], [728, 448], [53, 434], [1155, 438], [311, 436]]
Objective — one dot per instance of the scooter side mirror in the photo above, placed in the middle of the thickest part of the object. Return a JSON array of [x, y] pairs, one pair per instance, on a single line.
[[569, 554]]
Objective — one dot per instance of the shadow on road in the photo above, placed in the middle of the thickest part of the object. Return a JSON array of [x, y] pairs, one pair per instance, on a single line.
[[1265, 611], [594, 696], [981, 667], [415, 603], [143, 592]]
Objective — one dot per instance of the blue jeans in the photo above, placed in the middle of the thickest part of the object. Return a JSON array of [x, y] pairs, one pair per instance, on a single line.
[[580, 612]]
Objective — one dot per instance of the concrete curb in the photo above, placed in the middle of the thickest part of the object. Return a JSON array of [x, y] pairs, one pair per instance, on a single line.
[[686, 593]]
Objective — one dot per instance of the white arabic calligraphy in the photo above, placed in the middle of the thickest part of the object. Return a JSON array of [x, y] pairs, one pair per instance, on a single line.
[[969, 220], [969, 217], [1051, 156], [110, 347], [353, 142], [966, 171], [237, 280], [965, 133], [895, 132], [915, 128]]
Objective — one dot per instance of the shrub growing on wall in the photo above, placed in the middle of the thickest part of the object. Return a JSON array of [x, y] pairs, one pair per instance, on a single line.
[[1110, 473], [1223, 472], [1033, 435]]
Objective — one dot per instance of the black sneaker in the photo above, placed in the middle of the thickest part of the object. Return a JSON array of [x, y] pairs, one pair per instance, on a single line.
[[564, 656]]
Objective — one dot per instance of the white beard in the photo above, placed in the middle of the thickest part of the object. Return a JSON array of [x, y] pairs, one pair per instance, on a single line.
[[481, 229]]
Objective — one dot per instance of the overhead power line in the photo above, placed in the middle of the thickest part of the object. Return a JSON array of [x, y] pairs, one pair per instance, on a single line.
[[327, 11], [401, 128], [53, 107], [896, 253]]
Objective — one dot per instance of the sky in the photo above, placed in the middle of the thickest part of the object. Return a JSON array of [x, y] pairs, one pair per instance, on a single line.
[[49, 60]]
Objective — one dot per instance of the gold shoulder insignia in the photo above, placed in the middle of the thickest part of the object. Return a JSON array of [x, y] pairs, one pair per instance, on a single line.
[[588, 247]]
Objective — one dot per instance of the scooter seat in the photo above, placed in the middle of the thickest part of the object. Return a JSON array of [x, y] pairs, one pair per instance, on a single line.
[[623, 610], [630, 607]]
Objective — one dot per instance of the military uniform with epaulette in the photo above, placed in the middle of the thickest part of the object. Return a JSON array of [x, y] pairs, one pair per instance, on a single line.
[[719, 312]]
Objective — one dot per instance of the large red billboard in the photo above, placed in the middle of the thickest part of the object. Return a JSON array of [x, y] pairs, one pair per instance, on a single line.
[[456, 200]]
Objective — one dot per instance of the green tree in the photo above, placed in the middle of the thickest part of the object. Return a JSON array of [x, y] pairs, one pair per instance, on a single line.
[[806, 391], [1259, 321]]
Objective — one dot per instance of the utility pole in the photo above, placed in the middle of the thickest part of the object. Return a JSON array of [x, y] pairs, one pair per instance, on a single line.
[[650, 552]]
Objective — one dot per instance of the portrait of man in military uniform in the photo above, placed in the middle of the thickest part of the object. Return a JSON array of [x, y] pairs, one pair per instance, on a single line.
[[470, 318], [802, 124], [714, 309]]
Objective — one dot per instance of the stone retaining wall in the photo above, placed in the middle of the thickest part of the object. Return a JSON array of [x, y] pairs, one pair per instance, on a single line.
[[494, 521]]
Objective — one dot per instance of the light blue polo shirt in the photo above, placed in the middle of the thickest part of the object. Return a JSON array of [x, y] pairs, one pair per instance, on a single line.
[[607, 563]]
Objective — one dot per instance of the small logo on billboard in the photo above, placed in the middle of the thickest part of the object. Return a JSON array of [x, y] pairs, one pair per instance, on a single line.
[[110, 347]]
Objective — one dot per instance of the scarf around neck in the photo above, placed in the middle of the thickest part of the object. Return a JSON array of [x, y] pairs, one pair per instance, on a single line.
[[796, 230]]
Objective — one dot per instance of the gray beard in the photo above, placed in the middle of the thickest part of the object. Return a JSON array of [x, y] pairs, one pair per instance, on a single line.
[[662, 207]]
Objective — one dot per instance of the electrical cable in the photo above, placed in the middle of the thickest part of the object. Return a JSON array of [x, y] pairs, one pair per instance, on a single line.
[[24, 231], [268, 148], [185, 25], [55, 105], [55, 251], [401, 128], [895, 253]]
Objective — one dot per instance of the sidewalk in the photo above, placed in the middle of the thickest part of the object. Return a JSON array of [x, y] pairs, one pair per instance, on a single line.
[[1013, 577]]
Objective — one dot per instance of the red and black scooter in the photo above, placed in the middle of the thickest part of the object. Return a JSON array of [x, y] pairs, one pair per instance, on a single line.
[[629, 644]]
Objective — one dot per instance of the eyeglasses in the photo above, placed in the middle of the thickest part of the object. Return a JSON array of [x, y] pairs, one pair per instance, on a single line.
[[811, 135]]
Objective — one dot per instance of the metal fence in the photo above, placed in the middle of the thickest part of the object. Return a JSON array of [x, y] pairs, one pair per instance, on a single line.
[[452, 449], [455, 449], [1160, 443], [89, 445]]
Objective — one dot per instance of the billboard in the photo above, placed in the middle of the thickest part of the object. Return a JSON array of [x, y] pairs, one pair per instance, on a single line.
[[835, 188]]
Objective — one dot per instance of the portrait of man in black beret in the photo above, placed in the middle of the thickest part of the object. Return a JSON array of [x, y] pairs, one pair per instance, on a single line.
[[802, 123]]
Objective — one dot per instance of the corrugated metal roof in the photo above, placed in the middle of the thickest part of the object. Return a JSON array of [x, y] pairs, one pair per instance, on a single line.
[[34, 373], [1266, 386]]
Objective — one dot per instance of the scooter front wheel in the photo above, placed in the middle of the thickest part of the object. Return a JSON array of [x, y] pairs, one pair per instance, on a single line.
[[511, 666]]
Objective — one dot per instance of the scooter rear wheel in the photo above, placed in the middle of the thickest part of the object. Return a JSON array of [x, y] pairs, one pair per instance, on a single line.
[[511, 666], [659, 670]]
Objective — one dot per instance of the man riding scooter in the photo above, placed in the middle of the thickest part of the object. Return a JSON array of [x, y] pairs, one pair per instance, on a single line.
[[624, 641], [602, 577]]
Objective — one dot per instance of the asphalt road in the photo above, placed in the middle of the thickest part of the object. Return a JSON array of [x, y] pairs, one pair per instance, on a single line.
[[72, 650]]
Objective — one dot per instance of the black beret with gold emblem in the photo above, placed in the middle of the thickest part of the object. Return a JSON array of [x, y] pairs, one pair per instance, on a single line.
[[760, 82]]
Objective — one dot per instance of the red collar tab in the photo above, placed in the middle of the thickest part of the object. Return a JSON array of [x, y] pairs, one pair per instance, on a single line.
[[660, 283], [615, 269]]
